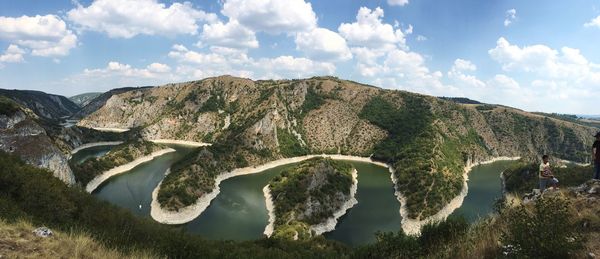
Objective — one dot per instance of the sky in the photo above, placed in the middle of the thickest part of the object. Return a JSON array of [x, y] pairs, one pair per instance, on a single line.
[[534, 55]]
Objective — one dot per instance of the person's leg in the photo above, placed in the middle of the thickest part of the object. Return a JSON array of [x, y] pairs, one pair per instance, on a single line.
[[542, 185], [555, 183], [597, 170]]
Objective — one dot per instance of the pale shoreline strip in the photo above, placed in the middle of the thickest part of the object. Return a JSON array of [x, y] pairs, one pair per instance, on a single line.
[[191, 212], [413, 226], [270, 211], [117, 130], [180, 142], [94, 183], [96, 144], [326, 226]]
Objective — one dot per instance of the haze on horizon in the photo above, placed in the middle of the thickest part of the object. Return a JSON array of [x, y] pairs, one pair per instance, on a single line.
[[534, 55]]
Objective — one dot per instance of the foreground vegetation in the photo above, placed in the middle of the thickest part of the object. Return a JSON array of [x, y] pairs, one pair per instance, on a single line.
[[308, 194], [117, 156], [18, 241]]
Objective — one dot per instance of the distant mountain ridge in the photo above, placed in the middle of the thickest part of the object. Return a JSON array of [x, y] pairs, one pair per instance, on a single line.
[[99, 101], [83, 99], [48, 106]]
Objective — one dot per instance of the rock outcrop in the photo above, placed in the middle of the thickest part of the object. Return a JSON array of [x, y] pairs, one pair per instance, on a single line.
[[22, 135]]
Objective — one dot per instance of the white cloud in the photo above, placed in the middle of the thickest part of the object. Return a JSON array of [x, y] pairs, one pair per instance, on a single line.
[[459, 73], [510, 17], [369, 31], [126, 19], [152, 71], [44, 35], [593, 23], [544, 61], [13, 54], [397, 2], [219, 61], [560, 80], [291, 67], [323, 44], [421, 38], [114, 75], [231, 34], [272, 16]]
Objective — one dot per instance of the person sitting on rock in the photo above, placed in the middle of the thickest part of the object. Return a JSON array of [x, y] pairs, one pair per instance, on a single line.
[[546, 176], [596, 156]]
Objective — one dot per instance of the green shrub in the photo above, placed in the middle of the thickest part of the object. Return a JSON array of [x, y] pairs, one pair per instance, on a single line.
[[545, 231]]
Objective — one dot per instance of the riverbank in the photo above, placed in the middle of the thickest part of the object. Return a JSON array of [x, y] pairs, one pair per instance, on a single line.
[[118, 130], [191, 212], [270, 211], [329, 224], [413, 226], [95, 144], [94, 183], [180, 142]]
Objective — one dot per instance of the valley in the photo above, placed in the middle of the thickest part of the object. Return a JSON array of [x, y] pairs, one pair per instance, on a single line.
[[199, 155]]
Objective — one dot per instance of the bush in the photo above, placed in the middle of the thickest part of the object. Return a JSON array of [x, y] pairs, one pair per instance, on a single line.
[[544, 231]]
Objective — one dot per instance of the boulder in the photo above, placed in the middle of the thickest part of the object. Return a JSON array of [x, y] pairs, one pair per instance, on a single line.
[[43, 232]]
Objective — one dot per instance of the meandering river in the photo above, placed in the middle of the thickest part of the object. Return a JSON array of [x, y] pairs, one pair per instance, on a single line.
[[239, 212]]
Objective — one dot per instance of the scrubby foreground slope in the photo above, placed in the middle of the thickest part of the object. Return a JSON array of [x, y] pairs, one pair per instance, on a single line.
[[427, 140]]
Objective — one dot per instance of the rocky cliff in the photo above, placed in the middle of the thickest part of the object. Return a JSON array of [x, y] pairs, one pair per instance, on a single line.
[[21, 134], [426, 139]]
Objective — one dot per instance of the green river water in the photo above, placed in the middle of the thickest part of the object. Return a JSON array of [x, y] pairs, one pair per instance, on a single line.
[[239, 212]]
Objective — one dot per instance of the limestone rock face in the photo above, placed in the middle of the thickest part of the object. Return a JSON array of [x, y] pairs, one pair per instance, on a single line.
[[21, 135]]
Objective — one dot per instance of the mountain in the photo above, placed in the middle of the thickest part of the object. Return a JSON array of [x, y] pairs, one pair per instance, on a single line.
[[47, 106], [427, 140], [22, 135], [83, 99], [99, 101]]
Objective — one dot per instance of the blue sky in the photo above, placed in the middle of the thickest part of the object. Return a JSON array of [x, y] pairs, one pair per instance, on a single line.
[[534, 55]]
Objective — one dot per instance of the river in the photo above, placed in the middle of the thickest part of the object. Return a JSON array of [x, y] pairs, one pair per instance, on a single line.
[[239, 212]]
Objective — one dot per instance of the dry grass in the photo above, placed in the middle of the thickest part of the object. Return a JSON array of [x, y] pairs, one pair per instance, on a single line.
[[18, 241]]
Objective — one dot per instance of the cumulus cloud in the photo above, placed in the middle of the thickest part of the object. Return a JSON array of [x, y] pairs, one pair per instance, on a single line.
[[231, 34], [44, 36], [292, 67], [126, 19], [593, 23], [116, 74], [564, 77], [220, 60], [154, 70], [397, 2], [510, 17], [369, 31], [323, 44], [459, 73], [272, 16], [541, 60], [12, 54]]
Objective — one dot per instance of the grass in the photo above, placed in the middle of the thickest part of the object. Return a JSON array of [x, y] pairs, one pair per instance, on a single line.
[[18, 241]]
